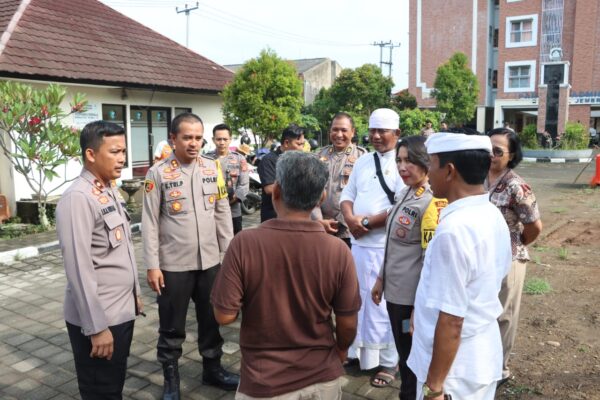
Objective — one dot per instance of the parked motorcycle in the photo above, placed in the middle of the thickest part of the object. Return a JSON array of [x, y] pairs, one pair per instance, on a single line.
[[253, 199]]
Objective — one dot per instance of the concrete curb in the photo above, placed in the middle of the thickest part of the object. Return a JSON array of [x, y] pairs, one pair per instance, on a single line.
[[556, 160], [11, 256]]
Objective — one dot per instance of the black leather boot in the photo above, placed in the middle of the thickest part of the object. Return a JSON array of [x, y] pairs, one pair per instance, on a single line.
[[171, 387], [215, 375]]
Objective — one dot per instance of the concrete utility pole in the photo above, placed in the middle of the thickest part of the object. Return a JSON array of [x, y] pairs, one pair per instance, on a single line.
[[389, 63], [187, 10]]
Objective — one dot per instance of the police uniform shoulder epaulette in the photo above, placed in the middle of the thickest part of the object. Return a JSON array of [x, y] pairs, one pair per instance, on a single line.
[[210, 155], [325, 149], [361, 149], [160, 163]]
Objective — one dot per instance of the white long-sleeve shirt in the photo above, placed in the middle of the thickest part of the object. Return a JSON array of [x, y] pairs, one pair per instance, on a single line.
[[365, 192]]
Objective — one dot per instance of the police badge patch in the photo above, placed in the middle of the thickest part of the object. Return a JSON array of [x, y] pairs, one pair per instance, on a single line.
[[149, 185]]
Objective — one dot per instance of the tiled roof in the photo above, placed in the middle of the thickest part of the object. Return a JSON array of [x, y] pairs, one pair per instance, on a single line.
[[301, 66], [87, 41]]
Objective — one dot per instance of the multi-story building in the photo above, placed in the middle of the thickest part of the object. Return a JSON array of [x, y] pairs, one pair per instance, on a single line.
[[537, 61]]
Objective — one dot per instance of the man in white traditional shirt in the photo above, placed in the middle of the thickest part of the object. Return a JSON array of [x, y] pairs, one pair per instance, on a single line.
[[457, 348], [365, 202]]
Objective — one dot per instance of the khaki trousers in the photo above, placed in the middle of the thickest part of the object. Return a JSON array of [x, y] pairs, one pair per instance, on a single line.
[[331, 390], [510, 297]]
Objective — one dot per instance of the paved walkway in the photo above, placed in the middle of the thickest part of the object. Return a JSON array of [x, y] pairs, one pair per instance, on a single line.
[[35, 354]]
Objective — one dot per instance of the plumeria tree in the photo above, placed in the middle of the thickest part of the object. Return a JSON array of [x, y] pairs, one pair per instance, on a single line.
[[34, 138]]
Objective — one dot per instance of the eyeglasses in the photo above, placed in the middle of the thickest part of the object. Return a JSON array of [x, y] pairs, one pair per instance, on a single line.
[[498, 152], [221, 139], [379, 131]]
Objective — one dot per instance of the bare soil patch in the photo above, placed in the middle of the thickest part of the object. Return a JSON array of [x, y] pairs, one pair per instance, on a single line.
[[557, 352]]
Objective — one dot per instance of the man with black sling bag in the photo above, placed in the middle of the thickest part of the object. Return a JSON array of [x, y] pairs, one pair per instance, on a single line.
[[365, 202]]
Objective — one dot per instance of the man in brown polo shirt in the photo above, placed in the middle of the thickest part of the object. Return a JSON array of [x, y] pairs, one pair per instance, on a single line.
[[287, 276]]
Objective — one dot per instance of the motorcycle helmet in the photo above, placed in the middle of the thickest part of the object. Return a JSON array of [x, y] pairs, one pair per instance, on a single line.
[[313, 144], [245, 139]]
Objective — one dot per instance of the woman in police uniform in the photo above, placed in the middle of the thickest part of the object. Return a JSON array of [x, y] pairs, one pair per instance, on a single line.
[[409, 228]]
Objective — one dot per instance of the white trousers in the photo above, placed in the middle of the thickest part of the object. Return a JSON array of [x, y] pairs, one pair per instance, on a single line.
[[462, 389], [374, 344]]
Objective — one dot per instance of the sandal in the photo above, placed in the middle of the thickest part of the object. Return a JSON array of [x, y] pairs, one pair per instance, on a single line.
[[385, 375]]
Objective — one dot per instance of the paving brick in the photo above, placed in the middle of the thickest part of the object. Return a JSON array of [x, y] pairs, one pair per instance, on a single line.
[[47, 351], [28, 364], [151, 392], [33, 345], [42, 393], [22, 386], [20, 338], [70, 388]]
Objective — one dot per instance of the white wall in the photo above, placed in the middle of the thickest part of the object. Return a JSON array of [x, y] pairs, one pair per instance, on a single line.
[[208, 107]]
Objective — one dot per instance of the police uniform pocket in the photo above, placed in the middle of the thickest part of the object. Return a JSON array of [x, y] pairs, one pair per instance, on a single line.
[[345, 175], [210, 200], [116, 228], [177, 206], [210, 190]]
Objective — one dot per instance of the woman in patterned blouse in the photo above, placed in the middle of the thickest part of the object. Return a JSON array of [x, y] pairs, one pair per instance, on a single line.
[[516, 201]]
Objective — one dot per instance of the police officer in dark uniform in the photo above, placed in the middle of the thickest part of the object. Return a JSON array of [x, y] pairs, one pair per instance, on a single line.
[[101, 297], [292, 138], [186, 226]]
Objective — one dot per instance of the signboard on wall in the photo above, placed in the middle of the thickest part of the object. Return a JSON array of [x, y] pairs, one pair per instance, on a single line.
[[90, 113], [589, 97]]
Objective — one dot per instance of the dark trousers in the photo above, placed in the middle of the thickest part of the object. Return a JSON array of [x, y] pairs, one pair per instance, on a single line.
[[403, 340], [237, 224], [173, 304], [99, 378]]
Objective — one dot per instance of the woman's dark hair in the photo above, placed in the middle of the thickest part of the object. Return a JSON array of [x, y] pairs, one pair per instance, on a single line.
[[417, 152], [514, 145]]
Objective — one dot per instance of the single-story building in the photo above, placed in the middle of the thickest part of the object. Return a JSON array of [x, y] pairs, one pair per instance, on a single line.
[[129, 73]]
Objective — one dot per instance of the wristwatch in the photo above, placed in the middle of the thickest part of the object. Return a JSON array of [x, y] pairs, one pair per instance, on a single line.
[[365, 222], [427, 392]]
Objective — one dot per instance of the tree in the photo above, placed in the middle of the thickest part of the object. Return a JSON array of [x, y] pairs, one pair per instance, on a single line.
[[456, 90], [404, 100], [412, 121], [265, 96], [358, 91], [35, 141]]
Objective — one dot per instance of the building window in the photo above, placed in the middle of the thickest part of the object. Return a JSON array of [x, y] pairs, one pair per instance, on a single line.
[[180, 110], [115, 113], [521, 31], [496, 37], [495, 79], [519, 76]]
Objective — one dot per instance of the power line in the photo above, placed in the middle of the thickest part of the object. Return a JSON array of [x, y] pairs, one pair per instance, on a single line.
[[237, 22]]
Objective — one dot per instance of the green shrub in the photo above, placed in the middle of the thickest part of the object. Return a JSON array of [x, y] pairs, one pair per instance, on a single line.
[[537, 286], [575, 137], [412, 121], [529, 137]]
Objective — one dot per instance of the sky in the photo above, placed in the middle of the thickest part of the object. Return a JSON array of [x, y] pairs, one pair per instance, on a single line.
[[234, 31]]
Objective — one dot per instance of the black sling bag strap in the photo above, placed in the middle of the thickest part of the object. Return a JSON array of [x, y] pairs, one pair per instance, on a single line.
[[384, 186]]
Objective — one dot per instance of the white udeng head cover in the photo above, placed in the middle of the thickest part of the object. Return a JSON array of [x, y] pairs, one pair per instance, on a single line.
[[443, 142], [384, 118]]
